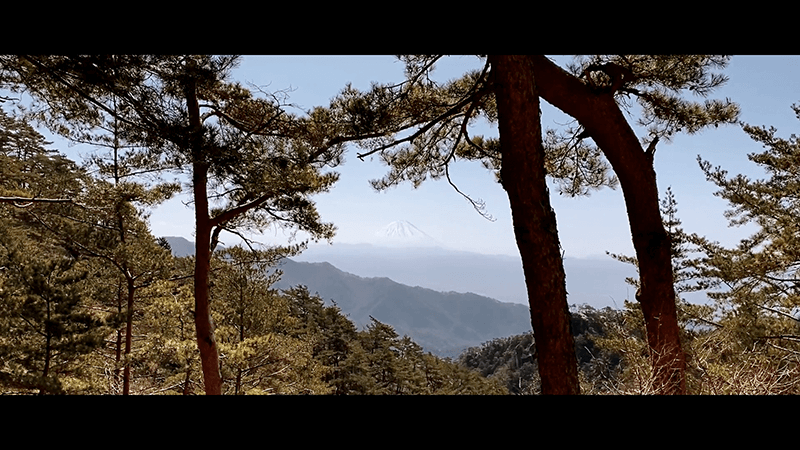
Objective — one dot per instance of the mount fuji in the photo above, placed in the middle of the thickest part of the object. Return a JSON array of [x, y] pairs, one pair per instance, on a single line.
[[402, 233]]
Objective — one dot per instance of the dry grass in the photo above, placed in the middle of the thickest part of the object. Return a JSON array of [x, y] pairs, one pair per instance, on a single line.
[[720, 367], [716, 365]]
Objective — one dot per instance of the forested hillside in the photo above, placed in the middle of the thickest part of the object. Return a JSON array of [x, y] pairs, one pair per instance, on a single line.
[[513, 360], [64, 313], [444, 323]]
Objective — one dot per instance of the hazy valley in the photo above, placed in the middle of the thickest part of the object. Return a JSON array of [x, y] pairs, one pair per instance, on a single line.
[[596, 282], [445, 300]]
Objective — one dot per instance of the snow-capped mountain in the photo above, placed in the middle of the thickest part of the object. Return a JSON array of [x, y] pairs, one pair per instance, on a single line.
[[405, 234]]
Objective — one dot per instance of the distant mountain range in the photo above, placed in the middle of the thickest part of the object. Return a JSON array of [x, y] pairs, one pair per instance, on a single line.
[[595, 282], [180, 246], [443, 299], [444, 323]]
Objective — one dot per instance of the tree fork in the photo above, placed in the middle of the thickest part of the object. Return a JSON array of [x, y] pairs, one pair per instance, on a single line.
[[523, 178]]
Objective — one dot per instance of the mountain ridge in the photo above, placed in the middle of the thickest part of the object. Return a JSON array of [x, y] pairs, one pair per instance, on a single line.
[[595, 282], [443, 323]]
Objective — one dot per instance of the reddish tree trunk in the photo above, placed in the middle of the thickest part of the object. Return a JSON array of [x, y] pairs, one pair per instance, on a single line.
[[206, 342], [126, 374], [604, 121], [118, 345], [523, 178]]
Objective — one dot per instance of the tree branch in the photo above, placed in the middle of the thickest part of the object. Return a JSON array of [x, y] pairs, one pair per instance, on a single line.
[[450, 112], [478, 205], [779, 312], [75, 89], [419, 74], [30, 201], [241, 209]]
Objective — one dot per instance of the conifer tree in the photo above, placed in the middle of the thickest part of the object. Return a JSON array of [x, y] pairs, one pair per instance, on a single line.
[[250, 163], [628, 337], [47, 324], [756, 284], [119, 237], [168, 359], [266, 346], [596, 93], [333, 335], [106, 221], [30, 172]]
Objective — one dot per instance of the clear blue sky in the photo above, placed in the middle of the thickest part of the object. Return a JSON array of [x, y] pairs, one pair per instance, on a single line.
[[764, 86]]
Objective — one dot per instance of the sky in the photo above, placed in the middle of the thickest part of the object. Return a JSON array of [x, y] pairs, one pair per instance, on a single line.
[[765, 87]]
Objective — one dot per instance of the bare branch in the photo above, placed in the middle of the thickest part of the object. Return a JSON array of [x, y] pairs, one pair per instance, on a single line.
[[779, 312], [16, 201], [478, 205]]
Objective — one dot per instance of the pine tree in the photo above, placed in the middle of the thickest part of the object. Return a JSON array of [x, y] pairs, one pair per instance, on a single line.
[[168, 361], [334, 336], [756, 284], [596, 92], [47, 322], [106, 221], [31, 173], [435, 120], [251, 164], [46, 326], [266, 346]]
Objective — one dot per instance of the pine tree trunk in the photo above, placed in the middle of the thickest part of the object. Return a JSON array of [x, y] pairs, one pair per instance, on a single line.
[[523, 178], [604, 121], [118, 344], [187, 380], [47, 350], [239, 372], [126, 374], [206, 342]]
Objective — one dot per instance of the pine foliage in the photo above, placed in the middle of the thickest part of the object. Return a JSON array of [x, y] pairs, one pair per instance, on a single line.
[[755, 284], [513, 362]]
